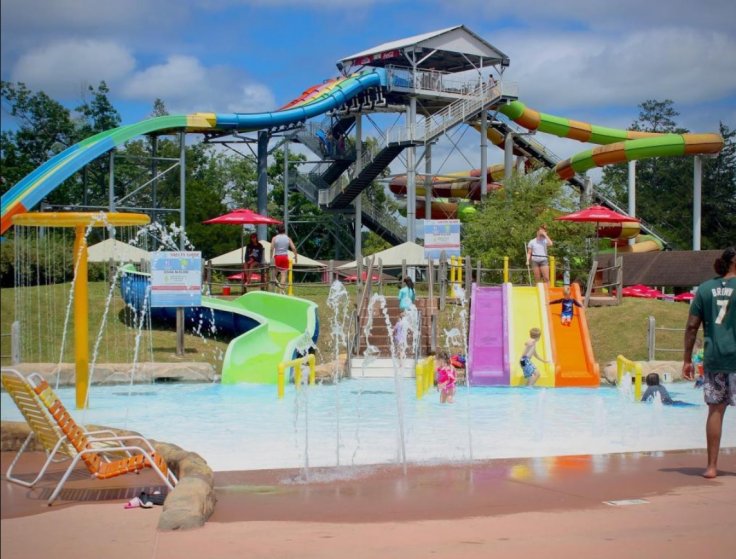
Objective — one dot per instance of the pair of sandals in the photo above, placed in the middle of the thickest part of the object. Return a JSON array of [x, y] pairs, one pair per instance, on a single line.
[[145, 501]]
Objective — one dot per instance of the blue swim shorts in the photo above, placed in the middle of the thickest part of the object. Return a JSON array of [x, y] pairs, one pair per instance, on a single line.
[[527, 367]]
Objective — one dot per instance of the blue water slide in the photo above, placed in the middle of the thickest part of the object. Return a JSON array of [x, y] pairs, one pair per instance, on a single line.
[[30, 190]]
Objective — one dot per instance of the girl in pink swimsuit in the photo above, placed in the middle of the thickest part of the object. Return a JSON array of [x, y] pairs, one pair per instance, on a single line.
[[446, 378]]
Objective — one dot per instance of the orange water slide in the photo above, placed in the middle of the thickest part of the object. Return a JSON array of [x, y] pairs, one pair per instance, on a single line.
[[573, 351]]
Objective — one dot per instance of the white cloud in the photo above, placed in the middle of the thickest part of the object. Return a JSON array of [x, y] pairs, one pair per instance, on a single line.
[[64, 68], [186, 85], [582, 69]]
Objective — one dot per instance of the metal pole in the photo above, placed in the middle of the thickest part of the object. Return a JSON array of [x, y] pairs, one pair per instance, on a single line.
[[697, 199], [182, 244], [508, 156], [262, 180], [483, 155], [286, 185], [154, 173], [182, 186], [357, 203], [111, 187], [632, 193], [411, 178], [428, 182]]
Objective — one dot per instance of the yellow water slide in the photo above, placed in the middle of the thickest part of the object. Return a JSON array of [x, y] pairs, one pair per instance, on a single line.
[[528, 310]]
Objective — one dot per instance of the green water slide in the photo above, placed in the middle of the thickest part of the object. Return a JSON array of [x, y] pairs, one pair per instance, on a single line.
[[287, 327]]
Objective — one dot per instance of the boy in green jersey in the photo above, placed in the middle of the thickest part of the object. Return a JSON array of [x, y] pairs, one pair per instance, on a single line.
[[714, 306]]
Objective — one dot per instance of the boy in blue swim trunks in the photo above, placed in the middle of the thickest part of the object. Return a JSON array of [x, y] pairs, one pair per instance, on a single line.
[[568, 306], [530, 350]]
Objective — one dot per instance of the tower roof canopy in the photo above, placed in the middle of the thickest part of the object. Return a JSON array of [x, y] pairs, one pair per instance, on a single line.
[[455, 49]]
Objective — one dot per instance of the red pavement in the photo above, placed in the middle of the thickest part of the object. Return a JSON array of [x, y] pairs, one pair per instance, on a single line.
[[544, 507]]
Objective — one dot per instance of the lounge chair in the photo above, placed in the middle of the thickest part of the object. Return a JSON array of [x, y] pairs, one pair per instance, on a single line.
[[52, 423]]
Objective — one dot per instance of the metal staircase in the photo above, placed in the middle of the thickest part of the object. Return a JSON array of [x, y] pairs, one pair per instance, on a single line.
[[424, 129], [339, 195]]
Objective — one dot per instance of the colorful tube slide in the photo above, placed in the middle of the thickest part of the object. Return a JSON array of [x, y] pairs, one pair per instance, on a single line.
[[527, 310], [488, 344], [266, 328], [572, 348], [33, 188], [617, 146], [461, 184], [288, 328]]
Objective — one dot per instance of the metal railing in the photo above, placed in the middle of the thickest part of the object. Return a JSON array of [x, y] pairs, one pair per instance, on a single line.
[[652, 330]]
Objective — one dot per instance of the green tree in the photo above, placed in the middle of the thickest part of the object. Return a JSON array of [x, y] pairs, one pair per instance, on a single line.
[[718, 225], [44, 128], [508, 219]]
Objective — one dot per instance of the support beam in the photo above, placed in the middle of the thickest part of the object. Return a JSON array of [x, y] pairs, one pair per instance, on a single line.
[[357, 203], [632, 194], [483, 155], [111, 182], [411, 175], [182, 222], [286, 185], [697, 199], [428, 181], [508, 156], [262, 194]]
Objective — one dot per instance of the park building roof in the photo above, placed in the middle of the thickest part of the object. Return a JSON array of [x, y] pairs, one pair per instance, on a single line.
[[454, 49]]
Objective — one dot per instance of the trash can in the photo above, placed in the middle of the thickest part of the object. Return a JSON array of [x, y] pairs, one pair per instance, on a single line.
[[226, 290]]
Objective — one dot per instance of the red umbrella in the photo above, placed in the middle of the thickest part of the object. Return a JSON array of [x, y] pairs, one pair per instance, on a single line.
[[243, 217], [596, 214]]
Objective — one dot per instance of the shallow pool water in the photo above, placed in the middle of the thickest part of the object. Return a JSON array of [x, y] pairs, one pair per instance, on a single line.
[[243, 427]]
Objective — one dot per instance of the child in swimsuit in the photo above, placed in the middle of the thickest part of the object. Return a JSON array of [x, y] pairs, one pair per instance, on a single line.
[[530, 350], [446, 378], [568, 306]]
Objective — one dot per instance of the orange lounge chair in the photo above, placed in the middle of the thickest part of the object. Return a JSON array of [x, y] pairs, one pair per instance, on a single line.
[[97, 453]]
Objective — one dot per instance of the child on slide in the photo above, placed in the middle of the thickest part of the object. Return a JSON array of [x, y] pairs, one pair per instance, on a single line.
[[530, 350], [568, 306]]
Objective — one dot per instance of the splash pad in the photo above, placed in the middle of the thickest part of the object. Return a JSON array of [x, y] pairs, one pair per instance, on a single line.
[[82, 223]]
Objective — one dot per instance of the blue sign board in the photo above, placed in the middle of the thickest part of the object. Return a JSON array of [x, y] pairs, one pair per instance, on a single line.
[[176, 279]]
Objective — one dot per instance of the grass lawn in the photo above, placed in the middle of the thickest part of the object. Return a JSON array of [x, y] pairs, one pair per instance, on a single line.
[[614, 330]]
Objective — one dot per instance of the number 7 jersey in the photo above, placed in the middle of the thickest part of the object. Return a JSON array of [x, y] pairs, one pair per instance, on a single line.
[[715, 304]]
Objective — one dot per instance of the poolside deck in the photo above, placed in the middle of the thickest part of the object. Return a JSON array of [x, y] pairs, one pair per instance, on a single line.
[[551, 507]]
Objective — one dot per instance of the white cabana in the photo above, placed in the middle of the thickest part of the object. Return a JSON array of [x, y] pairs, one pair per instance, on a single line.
[[117, 251], [235, 258], [411, 253]]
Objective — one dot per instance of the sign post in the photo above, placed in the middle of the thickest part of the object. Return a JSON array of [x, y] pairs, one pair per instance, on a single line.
[[439, 235], [176, 281]]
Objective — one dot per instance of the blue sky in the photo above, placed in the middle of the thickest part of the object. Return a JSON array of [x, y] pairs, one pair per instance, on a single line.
[[584, 59]]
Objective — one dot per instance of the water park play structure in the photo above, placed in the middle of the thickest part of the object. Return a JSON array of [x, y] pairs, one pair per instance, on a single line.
[[500, 320], [387, 78], [425, 80], [616, 146], [265, 328]]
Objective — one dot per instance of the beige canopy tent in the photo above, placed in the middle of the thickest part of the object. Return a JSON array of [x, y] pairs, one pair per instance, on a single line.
[[118, 251], [411, 253], [235, 258]]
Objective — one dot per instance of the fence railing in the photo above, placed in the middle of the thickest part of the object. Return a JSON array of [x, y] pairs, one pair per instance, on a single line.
[[652, 348], [14, 338]]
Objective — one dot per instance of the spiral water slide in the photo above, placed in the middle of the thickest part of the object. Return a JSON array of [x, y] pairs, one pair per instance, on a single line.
[[616, 146], [33, 188]]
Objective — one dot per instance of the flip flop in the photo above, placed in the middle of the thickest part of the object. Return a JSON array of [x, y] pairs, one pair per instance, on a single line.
[[134, 503]]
